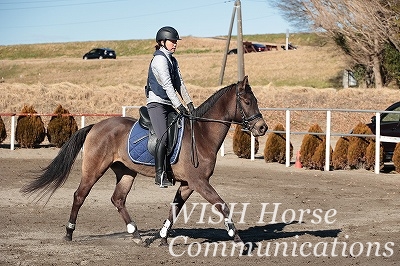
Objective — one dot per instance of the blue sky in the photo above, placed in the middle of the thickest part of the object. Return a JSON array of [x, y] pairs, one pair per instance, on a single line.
[[47, 21]]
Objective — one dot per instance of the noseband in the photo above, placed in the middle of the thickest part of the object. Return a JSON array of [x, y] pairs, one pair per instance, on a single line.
[[245, 120]]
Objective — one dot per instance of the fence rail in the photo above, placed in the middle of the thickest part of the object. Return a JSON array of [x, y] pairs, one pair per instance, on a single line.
[[287, 131], [13, 115]]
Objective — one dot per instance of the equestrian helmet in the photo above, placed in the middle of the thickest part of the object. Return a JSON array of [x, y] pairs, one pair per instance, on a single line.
[[167, 33]]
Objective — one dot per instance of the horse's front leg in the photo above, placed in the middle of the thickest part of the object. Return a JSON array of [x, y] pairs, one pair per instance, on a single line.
[[182, 194], [208, 192]]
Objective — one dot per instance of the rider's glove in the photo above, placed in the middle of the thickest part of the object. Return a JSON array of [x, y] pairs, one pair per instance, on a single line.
[[191, 108], [182, 110]]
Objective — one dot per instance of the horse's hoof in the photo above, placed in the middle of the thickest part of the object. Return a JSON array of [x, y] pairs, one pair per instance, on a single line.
[[139, 242], [163, 242], [147, 242], [237, 239], [67, 238]]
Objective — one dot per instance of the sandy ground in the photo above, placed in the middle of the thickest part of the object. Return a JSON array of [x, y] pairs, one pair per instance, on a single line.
[[353, 219]]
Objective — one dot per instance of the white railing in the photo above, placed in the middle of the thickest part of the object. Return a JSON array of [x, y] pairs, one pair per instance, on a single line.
[[329, 134], [287, 131], [14, 115]]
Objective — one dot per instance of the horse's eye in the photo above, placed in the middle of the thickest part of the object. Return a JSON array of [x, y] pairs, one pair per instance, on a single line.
[[246, 101]]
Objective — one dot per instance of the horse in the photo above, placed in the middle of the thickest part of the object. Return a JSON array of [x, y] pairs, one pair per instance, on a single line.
[[105, 146]]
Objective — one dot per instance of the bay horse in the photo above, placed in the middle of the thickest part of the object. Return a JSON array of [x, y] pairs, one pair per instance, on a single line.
[[105, 146]]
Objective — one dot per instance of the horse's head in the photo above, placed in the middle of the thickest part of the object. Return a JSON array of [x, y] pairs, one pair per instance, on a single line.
[[246, 104]]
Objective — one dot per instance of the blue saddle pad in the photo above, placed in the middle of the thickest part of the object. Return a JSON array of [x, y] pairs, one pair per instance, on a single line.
[[137, 145]]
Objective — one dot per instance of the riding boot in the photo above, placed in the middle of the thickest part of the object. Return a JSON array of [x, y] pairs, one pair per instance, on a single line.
[[161, 178], [170, 173]]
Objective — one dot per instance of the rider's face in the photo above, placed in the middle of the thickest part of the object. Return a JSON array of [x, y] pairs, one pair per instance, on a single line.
[[170, 45]]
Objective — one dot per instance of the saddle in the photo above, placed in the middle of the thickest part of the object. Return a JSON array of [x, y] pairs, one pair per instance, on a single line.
[[172, 130]]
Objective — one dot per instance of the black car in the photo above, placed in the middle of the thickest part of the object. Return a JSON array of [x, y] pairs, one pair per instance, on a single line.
[[390, 126], [100, 53], [250, 47]]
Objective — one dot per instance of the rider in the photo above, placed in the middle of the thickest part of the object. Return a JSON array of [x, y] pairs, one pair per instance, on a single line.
[[164, 83]]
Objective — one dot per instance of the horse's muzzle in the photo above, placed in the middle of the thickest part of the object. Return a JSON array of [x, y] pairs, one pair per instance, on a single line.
[[259, 128]]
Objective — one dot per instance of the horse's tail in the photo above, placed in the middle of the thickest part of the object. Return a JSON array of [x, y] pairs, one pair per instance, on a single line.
[[56, 173]]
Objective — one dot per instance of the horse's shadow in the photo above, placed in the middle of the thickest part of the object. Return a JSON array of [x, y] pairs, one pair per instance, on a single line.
[[250, 235]]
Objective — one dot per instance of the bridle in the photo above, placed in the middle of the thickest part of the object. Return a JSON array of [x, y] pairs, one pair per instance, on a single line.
[[245, 123], [245, 120]]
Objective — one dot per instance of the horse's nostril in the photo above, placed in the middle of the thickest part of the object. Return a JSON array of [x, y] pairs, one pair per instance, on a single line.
[[263, 129]]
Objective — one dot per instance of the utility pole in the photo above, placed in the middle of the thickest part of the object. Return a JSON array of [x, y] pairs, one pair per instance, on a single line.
[[240, 54], [236, 9]]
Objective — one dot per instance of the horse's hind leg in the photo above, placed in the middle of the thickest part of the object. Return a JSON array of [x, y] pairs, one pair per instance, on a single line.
[[181, 196], [91, 172], [125, 178], [79, 197]]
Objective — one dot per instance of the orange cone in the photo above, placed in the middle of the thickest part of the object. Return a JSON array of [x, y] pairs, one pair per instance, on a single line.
[[298, 163]]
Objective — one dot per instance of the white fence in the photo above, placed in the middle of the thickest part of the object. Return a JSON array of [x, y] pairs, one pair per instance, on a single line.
[[328, 133], [287, 131]]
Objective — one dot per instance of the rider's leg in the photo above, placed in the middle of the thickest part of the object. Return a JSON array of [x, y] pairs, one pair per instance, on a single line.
[[158, 115]]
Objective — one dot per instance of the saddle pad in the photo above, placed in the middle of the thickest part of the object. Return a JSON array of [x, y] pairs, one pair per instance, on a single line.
[[137, 145]]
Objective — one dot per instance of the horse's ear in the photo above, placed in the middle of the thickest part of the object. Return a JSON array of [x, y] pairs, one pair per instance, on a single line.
[[246, 80]]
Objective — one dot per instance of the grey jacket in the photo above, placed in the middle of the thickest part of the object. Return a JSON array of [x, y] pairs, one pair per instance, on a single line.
[[159, 66]]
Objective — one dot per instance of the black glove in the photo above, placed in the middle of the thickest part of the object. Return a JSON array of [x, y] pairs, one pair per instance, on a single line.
[[182, 110], [191, 108]]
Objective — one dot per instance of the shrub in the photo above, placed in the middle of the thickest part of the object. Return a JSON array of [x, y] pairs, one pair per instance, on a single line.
[[396, 157], [339, 155], [357, 147], [30, 128], [309, 145], [60, 128], [242, 143], [3, 132], [275, 147], [370, 156], [318, 159]]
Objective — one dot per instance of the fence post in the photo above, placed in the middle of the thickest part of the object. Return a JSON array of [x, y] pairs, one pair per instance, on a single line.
[[328, 141], [252, 146], [12, 132], [287, 138], [377, 142], [82, 121]]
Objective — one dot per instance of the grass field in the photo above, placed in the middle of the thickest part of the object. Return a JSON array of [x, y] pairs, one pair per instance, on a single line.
[[309, 77]]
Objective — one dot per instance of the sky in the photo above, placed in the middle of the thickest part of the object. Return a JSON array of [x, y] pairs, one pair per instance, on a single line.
[[50, 21]]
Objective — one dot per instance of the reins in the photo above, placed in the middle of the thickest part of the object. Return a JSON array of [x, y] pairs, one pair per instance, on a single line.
[[245, 124]]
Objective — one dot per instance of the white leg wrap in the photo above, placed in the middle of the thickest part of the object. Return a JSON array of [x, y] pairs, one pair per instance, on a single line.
[[131, 227], [165, 228], [229, 227], [71, 226]]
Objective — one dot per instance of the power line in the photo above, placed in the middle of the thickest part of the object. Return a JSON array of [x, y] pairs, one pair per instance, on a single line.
[[114, 19], [51, 6]]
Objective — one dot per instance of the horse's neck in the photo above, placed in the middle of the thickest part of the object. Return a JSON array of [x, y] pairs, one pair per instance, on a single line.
[[214, 133]]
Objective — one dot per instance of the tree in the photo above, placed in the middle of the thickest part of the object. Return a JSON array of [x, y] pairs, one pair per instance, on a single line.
[[361, 28]]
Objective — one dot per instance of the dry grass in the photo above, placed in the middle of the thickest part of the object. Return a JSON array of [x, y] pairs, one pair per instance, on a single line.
[[279, 79]]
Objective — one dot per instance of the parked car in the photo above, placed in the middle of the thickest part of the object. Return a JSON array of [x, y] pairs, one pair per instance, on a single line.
[[100, 53], [390, 126], [290, 47], [249, 47]]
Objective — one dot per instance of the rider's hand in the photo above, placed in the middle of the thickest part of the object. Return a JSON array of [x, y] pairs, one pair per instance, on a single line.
[[182, 110], [191, 108]]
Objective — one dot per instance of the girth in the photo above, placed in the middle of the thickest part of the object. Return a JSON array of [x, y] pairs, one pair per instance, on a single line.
[[172, 130]]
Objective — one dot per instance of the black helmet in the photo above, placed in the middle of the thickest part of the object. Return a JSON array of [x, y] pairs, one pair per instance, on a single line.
[[167, 33]]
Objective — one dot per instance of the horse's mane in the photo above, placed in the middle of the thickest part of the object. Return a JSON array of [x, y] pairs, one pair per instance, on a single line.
[[207, 104]]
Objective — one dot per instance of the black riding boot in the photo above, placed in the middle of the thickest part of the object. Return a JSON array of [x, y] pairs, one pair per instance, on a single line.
[[161, 178]]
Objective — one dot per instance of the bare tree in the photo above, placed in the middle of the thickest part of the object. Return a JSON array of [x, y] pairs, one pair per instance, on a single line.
[[360, 27]]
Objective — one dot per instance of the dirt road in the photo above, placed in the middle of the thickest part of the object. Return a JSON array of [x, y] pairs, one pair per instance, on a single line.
[[291, 217]]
